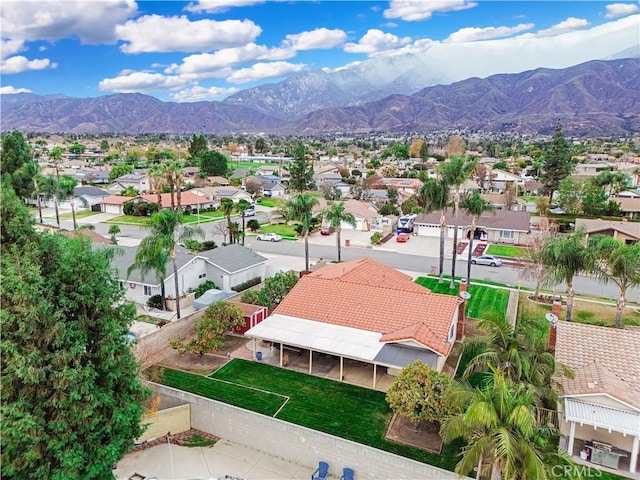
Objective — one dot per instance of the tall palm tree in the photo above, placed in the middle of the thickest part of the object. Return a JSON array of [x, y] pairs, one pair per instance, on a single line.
[[50, 189], [475, 206], [301, 209], [227, 206], [504, 431], [335, 216], [148, 259], [619, 263], [157, 180], [174, 175], [455, 172], [565, 257], [66, 186], [242, 206], [167, 230], [435, 197]]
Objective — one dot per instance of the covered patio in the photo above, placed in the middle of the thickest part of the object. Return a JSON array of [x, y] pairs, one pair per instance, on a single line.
[[334, 351]]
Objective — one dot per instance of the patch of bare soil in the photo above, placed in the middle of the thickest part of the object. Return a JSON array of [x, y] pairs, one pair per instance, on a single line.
[[208, 363], [402, 430], [184, 439]]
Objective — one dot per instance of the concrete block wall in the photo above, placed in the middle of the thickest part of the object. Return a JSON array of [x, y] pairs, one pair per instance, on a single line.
[[299, 444], [171, 420]]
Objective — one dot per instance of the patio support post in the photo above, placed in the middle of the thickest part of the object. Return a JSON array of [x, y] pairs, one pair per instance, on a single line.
[[254, 348], [572, 434], [634, 454], [374, 375], [310, 361], [281, 353], [341, 368]]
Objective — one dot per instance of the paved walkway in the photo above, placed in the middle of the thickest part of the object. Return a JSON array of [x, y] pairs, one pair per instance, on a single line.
[[173, 462]]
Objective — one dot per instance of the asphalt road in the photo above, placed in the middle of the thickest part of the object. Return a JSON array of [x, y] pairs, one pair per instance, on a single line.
[[403, 261]]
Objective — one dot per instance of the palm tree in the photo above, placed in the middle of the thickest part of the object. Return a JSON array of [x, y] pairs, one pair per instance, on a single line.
[[301, 209], [174, 176], [113, 231], [242, 206], [50, 190], [475, 206], [66, 186], [158, 180], [565, 257], [149, 259], [167, 230], [335, 216], [32, 170], [435, 197], [455, 172], [227, 206], [619, 263], [503, 430]]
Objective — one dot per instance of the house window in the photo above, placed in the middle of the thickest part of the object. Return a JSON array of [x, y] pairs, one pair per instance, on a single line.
[[202, 275], [452, 331], [510, 234], [147, 290]]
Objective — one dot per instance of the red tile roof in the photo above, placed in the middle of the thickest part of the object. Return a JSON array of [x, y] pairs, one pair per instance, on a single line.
[[367, 295]]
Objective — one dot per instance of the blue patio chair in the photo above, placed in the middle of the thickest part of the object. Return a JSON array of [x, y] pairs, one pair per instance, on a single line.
[[322, 472], [347, 474]]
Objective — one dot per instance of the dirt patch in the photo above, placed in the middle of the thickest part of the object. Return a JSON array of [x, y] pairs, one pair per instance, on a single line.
[[402, 430], [183, 439], [209, 363]]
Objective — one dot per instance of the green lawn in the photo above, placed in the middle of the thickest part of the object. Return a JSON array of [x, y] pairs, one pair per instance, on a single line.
[[347, 411], [485, 301], [506, 251], [286, 231], [270, 202], [205, 217]]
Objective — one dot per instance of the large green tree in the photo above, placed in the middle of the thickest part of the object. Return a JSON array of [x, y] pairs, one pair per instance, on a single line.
[[557, 162], [300, 209], [455, 172], [213, 163], [119, 169], [166, 232], [420, 394], [71, 396], [197, 146], [335, 215], [300, 170], [619, 263], [434, 196], [15, 153]]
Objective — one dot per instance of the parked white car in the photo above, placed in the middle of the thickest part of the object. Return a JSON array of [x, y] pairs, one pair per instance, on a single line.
[[269, 237], [487, 260]]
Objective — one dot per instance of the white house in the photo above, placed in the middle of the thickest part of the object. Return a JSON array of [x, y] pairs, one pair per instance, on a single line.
[[139, 181]]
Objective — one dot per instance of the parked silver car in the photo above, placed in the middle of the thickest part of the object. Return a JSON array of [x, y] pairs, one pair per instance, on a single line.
[[269, 237], [487, 260]]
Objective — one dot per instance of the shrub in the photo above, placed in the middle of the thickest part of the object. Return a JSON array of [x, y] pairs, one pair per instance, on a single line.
[[253, 225], [388, 209], [253, 297], [248, 284], [155, 301], [127, 208], [376, 237], [188, 210], [194, 245], [203, 287], [209, 245]]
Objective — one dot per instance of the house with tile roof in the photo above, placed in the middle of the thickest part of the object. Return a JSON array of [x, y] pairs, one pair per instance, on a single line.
[[366, 312], [139, 181], [366, 215], [599, 407], [499, 226], [629, 206], [115, 203], [625, 231]]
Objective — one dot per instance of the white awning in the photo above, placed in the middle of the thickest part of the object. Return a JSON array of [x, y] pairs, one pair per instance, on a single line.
[[323, 337], [599, 416]]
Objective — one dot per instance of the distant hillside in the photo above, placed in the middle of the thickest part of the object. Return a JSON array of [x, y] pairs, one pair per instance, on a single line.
[[594, 98]]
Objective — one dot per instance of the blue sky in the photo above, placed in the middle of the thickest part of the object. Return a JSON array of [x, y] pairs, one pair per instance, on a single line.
[[208, 49]]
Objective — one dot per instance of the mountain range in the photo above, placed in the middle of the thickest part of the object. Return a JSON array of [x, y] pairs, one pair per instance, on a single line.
[[600, 97]]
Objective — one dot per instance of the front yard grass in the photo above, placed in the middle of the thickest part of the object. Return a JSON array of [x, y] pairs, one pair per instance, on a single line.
[[506, 251], [205, 217], [287, 232], [485, 301], [270, 202], [347, 411]]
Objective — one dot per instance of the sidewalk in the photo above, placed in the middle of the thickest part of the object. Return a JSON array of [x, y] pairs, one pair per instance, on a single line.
[[225, 458]]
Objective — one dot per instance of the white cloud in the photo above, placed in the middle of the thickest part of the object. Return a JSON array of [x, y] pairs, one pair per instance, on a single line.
[[200, 94], [321, 38], [93, 22], [375, 41], [571, 24], [616, 10], [217, 6], [10, 47], [419, 46], [260, 71], [472, 34], [19, 64], [142, 82], [417, 10], [9, 90], [149, 34]]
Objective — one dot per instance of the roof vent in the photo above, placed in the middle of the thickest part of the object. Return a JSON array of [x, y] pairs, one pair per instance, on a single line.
[[592, 384]]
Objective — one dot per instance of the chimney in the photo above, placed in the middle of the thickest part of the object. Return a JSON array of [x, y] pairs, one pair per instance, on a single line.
[[553, 320], [461, 311]]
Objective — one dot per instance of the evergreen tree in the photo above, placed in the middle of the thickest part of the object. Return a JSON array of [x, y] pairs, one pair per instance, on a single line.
[[15, 153], [557, 162], [197, 146], [301, 170], [71, 397], [213, 163]]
